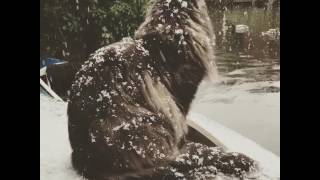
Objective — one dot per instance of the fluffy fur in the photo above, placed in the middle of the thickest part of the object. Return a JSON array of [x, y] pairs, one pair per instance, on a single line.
[[129, 101]]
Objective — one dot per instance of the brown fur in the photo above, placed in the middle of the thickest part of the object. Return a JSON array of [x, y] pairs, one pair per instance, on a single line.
[[129, 101]]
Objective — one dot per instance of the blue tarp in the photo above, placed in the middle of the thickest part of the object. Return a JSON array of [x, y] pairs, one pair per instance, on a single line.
[[48, 61]]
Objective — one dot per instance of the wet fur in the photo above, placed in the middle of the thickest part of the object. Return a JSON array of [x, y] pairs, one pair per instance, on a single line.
[[129, 101]]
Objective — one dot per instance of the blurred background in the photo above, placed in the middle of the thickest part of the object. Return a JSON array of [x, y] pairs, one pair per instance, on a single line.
[[72, 29], [247, 48]]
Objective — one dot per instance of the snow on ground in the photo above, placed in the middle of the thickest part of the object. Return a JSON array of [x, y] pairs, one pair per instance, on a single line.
[[245, 107], [235, 142], [253, 115], [54, 143]]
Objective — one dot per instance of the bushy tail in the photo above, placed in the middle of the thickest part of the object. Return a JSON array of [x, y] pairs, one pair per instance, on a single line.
[[201, 162]]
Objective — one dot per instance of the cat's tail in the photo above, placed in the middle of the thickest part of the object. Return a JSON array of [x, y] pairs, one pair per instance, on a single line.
[[199, 161]]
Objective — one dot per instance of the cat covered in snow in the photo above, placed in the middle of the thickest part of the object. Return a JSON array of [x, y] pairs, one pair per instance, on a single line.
[[129, 101]]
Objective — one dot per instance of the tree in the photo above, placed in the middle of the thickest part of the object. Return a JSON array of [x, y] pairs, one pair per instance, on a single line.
[[73, 29]]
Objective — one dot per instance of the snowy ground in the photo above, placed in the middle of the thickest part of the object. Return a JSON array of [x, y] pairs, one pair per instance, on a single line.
[[252, 115], [54, 144], [245, 108]]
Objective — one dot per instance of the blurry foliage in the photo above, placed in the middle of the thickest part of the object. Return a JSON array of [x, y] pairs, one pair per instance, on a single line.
[[72, 29]]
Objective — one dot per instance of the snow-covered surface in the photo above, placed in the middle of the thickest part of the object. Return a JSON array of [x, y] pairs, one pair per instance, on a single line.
[[235, 142], [55, 149], [245, 107]]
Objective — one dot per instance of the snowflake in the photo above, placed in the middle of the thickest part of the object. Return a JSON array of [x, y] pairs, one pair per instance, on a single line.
[[178, 31], [105, 94], [88, 81], [184, 4]]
